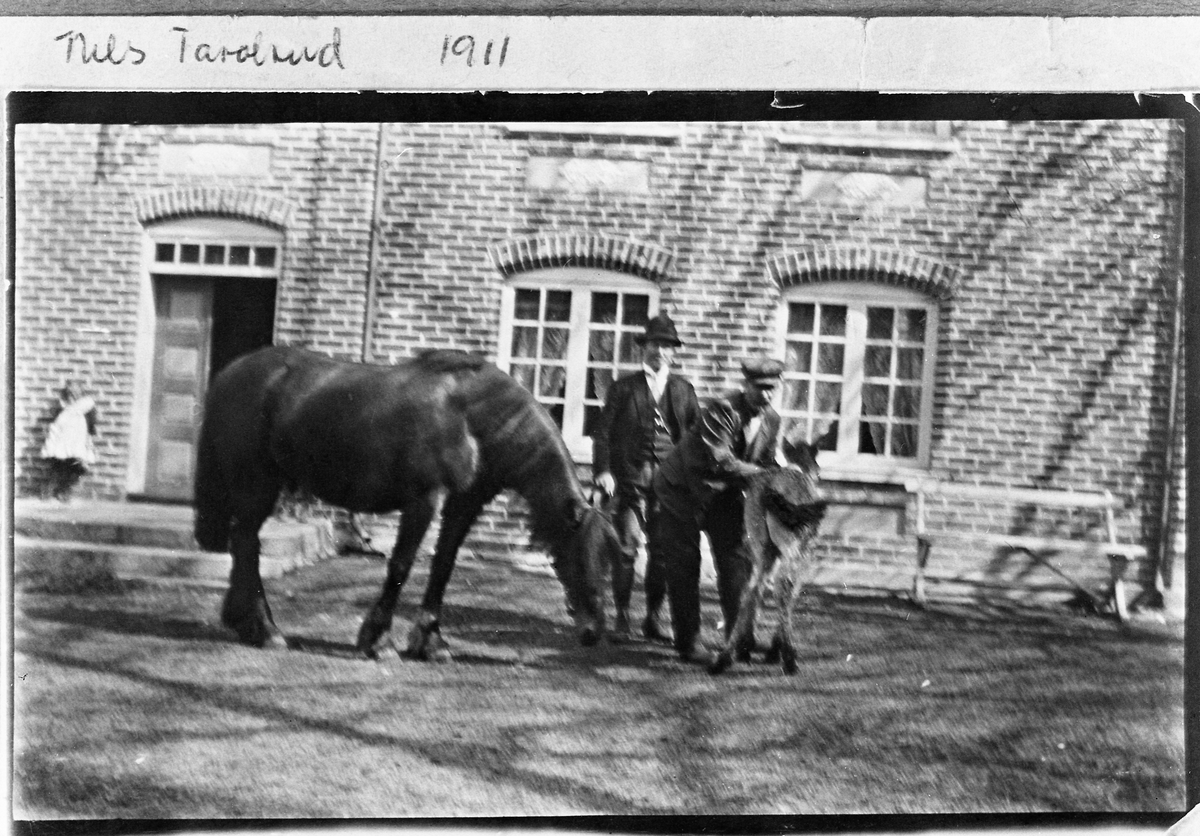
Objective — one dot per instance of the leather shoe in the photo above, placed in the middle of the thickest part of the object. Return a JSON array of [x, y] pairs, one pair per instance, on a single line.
[[653, 632], [697, 656]]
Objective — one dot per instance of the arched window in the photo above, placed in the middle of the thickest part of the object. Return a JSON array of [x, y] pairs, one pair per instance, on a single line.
[[566, 333], [859, 373]]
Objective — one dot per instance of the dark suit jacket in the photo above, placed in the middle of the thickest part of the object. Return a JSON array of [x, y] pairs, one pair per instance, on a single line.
[[713, 456], [619, 438]]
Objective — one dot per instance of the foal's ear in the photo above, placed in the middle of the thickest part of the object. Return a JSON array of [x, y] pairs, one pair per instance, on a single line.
[[800, 453]]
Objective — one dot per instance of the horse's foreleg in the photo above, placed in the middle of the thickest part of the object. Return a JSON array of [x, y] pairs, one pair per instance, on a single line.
[[414, 522], [458, 515], [747, 611], [245, 610]]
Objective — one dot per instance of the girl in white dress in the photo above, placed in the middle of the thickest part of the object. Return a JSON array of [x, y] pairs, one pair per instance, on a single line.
[[69, 448]]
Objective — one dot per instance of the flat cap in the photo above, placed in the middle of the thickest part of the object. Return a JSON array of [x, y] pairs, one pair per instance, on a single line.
[[762, 368]]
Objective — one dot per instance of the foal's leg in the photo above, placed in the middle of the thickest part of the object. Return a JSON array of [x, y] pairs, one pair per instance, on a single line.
[[415, 517], [458, 515], [747, 611], [245, 610], [798, 568]]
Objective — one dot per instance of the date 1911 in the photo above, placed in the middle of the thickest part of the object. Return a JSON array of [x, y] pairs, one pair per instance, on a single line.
[[463, 48]]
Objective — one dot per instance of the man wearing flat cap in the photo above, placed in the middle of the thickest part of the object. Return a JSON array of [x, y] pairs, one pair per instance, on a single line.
[[645, 414], [699, 488]]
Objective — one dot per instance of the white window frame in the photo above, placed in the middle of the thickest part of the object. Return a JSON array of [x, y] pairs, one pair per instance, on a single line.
[[582, 282], [846, 462]]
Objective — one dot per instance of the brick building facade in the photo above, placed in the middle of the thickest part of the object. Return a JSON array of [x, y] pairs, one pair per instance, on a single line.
[[980, 302]]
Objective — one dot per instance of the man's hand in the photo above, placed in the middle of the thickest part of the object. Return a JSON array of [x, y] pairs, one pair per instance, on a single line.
[[606, 483]]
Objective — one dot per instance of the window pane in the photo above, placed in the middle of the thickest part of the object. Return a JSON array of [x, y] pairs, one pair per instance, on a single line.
[[524, 342], [799, 357], [879, 323], [877, 362], [556, 413], [164, 252], [829, 360], [600, 346], [904, 440], [875, 399], [552, 382], [554, 343], [527, 303], [833, 320], [912, 324], [637, 310], [558, 306], [630, 352], [598, 381], [908, 363], [907, 402], [828, 441], [871, 438], [264, 256], [214, 254], [239, 256], [829, 397], [604, 307], [189, 253], [801, 318], [795, 395], [523, 374]]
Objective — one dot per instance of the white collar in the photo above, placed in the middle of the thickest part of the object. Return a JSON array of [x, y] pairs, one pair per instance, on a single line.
[[658, 376]]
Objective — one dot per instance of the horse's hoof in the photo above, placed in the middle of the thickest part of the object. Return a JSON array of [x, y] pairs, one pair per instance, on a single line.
[[720, 664], [436, 650], [589, 636], [787, 661], [774, 652], [275, 640]]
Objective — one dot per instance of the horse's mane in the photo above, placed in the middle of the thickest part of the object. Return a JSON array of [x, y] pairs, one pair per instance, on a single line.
[[524, 451], [448, 361]]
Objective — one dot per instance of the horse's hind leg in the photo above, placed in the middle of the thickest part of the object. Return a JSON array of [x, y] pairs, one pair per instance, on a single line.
[[415, 517], [245, 610], [799, 567], [747, 611]]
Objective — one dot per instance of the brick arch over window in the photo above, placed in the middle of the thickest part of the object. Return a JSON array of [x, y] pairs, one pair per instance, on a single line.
[[898, 268], [244, 204], [636, 258]]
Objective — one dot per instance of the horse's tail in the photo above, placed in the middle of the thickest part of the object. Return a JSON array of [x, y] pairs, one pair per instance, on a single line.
[[213, 513]]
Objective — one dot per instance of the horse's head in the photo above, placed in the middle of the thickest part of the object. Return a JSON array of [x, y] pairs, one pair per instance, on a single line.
[[582, 569]]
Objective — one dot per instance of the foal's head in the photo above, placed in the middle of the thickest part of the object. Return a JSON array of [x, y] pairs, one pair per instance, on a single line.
[[582, 566]]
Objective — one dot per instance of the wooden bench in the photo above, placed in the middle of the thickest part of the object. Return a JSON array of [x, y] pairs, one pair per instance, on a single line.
[[1099, 540]]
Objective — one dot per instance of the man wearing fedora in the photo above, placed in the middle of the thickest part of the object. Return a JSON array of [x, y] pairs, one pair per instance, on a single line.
[[699, 488], [645, 414]]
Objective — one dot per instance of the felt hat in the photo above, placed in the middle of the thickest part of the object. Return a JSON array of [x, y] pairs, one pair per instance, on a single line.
[[662, 329]]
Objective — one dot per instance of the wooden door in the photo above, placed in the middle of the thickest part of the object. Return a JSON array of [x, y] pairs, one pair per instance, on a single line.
[[182, 351]]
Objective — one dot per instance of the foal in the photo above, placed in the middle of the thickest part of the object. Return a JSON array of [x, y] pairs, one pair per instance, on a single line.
[[783, 510]]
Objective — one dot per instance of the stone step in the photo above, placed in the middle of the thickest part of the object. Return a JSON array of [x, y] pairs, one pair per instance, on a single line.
[[145, 541], [36, 558]]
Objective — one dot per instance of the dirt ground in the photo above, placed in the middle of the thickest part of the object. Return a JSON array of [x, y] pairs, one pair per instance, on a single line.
[[132, 702]]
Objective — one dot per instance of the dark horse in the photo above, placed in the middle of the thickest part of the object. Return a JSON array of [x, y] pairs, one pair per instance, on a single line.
[[383, 438]]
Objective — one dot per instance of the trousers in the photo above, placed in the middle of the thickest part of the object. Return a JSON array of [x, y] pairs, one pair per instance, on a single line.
[[632, 511], [675, 530]]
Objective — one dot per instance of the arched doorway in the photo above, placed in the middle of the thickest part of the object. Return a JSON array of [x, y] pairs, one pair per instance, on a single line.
[[213, 284]]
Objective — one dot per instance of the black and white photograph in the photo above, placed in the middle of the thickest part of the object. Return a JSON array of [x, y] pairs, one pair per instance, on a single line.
[[736, 462]]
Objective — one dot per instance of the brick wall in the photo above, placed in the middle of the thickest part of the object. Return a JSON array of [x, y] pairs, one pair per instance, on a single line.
[[1054, 355]]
